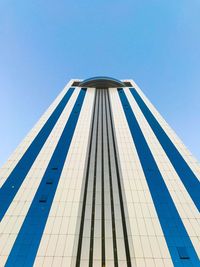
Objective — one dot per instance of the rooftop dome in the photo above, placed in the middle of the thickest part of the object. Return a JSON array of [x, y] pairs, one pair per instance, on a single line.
[[101, 82]]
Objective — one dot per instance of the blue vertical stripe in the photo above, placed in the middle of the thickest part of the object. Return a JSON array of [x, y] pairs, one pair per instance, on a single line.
[[26, 245], [175, 233], [17, 176], [186, 175]]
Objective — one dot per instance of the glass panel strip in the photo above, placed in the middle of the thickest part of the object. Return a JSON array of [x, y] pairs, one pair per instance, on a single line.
[[111, 185], [126, 242], [91, 253], [91, 139], [102, 180]]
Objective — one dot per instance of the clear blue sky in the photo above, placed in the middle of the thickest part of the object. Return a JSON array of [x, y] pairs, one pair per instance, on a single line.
[[45, 43]]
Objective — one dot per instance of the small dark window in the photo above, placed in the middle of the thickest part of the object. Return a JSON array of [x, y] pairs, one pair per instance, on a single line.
[[183, 254], [43, 199], [54, 168], [128, 84], [49, 181], [75, 83]]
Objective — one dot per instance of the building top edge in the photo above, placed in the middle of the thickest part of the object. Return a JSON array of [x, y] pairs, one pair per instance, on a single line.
[[101, 82]]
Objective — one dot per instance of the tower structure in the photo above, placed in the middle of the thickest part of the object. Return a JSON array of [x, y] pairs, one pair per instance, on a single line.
[[101, 180]]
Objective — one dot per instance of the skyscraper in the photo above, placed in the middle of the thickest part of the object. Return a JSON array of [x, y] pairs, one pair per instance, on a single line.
[[101, 180]]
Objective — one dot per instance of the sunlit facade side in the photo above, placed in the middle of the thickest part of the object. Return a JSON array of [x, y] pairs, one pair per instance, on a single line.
[[101, 180]]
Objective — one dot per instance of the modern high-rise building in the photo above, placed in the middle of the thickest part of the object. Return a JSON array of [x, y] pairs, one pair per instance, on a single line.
[[103, 181]]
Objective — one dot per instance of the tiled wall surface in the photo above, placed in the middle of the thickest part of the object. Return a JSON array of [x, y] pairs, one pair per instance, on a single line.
[[133, 227]]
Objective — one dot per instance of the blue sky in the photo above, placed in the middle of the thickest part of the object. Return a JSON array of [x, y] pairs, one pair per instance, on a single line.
[[43, 44]]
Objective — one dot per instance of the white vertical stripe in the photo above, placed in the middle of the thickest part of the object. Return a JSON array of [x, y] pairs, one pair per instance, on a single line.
[[12, 161], [186, 154], [60, 230], [16, 213], [147, 236], [182, 200]]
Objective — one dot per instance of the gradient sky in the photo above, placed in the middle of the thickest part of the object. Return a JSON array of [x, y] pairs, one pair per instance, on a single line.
[[43, 44]]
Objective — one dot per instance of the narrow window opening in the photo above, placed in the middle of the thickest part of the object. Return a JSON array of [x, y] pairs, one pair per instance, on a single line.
[[43, 199], [49, 181], [183, 254]]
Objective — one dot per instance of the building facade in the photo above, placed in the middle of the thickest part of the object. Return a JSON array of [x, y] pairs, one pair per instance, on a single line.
[[101, 180]]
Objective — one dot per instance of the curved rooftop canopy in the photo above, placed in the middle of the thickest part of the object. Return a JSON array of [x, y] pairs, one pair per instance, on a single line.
[[101, 82]]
